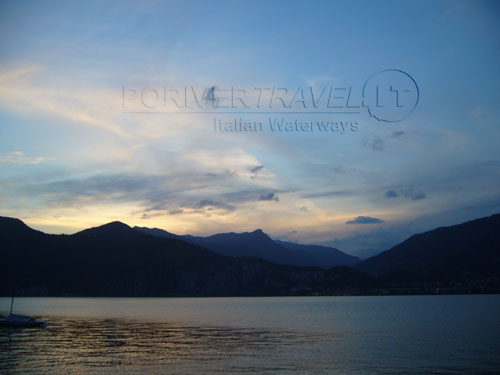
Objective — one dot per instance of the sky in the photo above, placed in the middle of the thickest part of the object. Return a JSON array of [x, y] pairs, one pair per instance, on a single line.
[[93, 126]]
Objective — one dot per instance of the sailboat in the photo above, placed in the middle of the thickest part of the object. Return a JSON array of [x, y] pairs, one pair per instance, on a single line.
[[14, 320]]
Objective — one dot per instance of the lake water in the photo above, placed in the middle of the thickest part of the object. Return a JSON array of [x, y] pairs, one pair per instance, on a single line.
[[293, 335]]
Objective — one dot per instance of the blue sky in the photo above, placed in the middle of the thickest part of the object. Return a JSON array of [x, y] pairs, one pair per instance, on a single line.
[[71, 158]]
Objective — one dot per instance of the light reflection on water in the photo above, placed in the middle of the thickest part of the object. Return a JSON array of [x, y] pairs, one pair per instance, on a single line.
[[297, 335], [97, 346]]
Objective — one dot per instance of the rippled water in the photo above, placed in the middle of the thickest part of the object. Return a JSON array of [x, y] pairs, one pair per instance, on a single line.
[[337, 335], [100, 346]]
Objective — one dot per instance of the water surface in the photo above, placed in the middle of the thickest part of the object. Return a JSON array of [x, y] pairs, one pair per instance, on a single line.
[[292, 335]]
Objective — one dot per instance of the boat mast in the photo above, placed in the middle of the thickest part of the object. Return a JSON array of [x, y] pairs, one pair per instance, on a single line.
[[11, 304]]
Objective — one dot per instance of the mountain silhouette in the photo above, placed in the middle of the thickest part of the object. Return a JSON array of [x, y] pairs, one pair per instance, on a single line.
[[466, 251], [367, 253], [325, 256], [116, 260], [259, 245]]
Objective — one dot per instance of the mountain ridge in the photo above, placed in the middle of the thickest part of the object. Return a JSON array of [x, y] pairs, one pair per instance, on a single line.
[[117, 260], [258, 244], [452, 248]]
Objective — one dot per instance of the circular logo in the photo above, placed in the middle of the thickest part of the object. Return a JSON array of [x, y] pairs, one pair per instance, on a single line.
[[390, 95]]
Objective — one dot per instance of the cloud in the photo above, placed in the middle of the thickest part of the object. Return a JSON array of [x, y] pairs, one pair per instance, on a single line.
[[96, 108], [247, 195], [149, 216], [227, 173], [329, 194], [398, 134], [391, 194], [386, 236], [409, 193], [176, 211], [202, 180], [272, 196], [102, 185], [376, 144], [413, 194], [69, 102], [339, 169], [18, 158], [152, 192], [211, 204], [256, 169], [365, 220], [18, 72]]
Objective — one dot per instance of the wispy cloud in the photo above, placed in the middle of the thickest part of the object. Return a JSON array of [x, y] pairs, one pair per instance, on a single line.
[[271, 196], [365, 220], [333, 193], [211, 204], [177, 211], [256, 169], [391, 194], [19, 158], [96, 107], [409, 193], [376, 144], [18, 72], [414, 195], [397, 134]]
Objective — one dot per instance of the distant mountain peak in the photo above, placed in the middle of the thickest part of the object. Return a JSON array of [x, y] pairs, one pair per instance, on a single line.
[[258, 231], [15, 226], [116, 224], [114, 228], [464, 249], [258, 244], [257, 234], [12, 221], [152, 229], [156, 232]]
